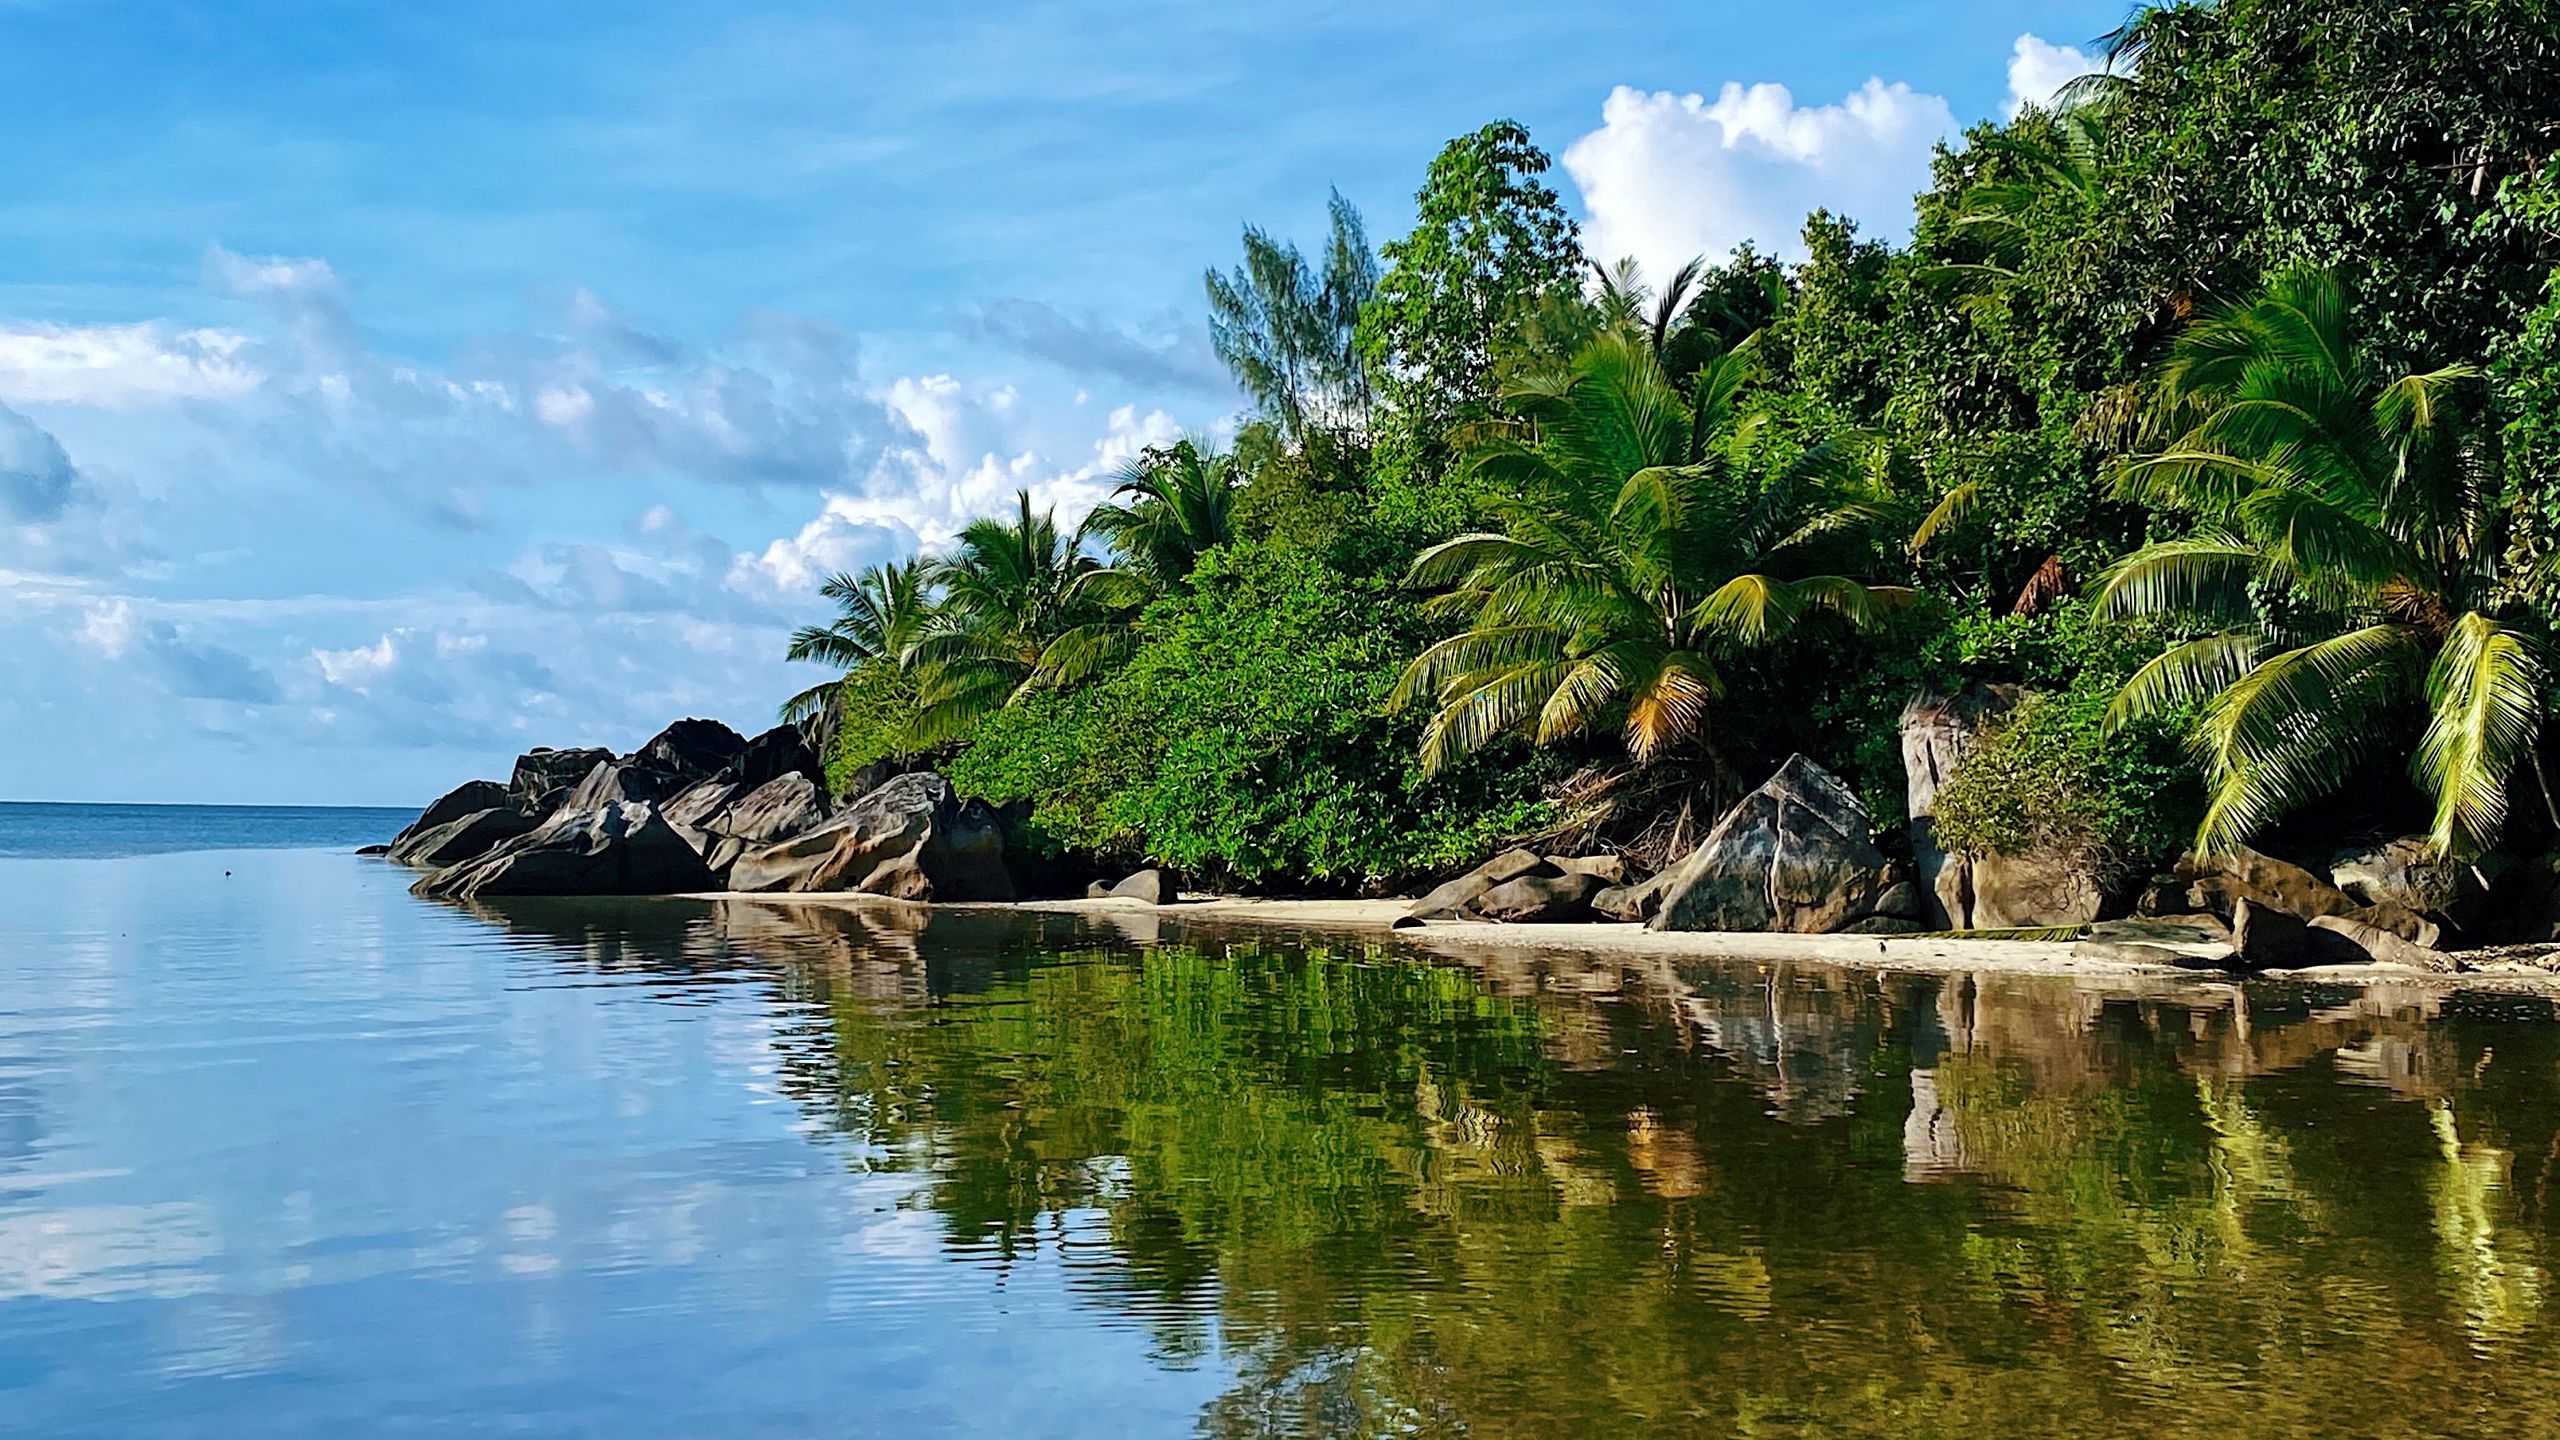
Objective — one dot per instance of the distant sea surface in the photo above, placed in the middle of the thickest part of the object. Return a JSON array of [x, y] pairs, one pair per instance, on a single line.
[[33, 831]]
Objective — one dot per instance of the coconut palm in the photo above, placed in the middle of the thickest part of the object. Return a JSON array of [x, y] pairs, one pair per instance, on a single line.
[[1009, 591], [2346, 558], [879, 614], [1173, 504], [1643, 546]]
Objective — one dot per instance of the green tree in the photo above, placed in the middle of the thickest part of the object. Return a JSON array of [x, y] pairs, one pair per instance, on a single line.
[[1644, 543], [1491, 241], [1288, 335], [2347, 553]]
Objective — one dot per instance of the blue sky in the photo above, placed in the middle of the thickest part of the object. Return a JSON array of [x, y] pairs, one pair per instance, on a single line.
[[387, 389]]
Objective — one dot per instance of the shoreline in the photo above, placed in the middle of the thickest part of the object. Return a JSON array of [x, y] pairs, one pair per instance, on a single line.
[[1464, 939]]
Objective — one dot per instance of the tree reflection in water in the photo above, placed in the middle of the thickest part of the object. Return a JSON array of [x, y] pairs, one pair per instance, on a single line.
[[1551, 1196]]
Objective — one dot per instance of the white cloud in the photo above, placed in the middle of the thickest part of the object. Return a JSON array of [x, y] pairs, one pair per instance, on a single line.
[[2038, 68], [107, 627], [966, 456], [1667, 177], [120, 366], [359, 666]]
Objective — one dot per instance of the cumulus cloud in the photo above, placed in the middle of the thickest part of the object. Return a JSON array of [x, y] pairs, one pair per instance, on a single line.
[[1179, 358], [37, 479], [964, 455], [2038, 69], [1667, 177]]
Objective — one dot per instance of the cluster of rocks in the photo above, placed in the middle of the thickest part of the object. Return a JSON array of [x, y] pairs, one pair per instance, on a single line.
[[1795, 855], [701, 808], [1798, 855]]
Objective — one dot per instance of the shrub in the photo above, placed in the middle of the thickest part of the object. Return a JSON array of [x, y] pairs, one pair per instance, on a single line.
[[2048, 779], [879, 699], [1246, 740]]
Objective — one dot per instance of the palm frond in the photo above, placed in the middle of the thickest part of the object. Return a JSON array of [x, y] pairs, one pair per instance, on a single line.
[[2484, 698]]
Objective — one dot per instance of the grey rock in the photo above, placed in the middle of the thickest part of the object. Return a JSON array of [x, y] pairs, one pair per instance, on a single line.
[[2218, 884], [376, 850], [1611, 869], [1902, 901], [619, 782], [1794, 855], [1637, 902], [2406, 872], [1449, 900], [467, 838], [543, 777], [2031, 891], [2408, 924], [2135, 952], [621, 849], [1538, 899], [1886, 925], [469, 798], [2269, 939], [1937, 731], [2341, 940], [695, 808], [782, 750], [1154, 887], [912, 838], [784, 806], [693, 749]]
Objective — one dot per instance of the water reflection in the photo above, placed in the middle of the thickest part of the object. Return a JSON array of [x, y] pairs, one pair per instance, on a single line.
[[1541, 1196]]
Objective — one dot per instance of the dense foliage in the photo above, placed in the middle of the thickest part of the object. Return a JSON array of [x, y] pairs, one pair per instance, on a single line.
[[2214, 400]]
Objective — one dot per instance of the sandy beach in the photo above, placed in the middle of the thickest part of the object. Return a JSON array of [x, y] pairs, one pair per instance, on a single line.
[[1374, 920]]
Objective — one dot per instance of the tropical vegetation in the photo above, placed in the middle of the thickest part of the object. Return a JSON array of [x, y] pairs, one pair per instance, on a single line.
[[2211, 405]]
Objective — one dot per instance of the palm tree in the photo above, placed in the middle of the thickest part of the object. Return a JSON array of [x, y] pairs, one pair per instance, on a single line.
[[2346, 557], [1173, 504], [880, 613], [1643, 545], [1010, 590]]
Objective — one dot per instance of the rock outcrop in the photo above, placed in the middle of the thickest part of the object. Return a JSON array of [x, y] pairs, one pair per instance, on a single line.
[[2004, 892], [623, 848], [1632, 903], [1449, 900], [1937, 731], [2217, 884], [1549, 897], [466, 838], [782, 750], [468, 798], [1794, 855], [543, 777], [586, 821], [912, 839], [1521, 886], [1150, 887]]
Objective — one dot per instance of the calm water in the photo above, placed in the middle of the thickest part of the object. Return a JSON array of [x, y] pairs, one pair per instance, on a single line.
[[284, 1152]]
